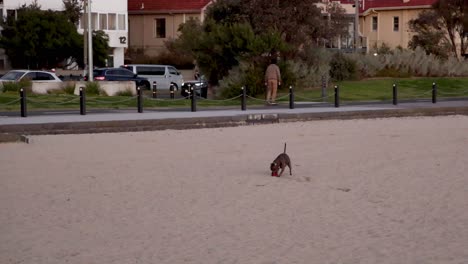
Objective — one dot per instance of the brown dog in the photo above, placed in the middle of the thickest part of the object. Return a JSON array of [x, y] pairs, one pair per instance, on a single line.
[[280, 162]]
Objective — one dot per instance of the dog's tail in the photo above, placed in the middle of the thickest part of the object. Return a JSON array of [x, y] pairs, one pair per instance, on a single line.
[[285, 147]]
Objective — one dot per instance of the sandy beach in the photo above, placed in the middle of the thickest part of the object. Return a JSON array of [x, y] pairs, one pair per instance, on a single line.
[[386, 191]]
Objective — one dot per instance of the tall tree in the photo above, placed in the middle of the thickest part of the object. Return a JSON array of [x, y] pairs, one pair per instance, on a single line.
[[100, 48], [45, 39], [338, 22], [429, 34], [247, 31], [73, 10], [448, 20], [299, 22]]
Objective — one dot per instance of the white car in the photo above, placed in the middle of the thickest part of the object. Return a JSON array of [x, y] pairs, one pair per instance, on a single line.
[[163, 75], [40, 76]]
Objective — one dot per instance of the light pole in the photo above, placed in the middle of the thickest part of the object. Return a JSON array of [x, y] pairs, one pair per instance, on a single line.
[[90, 44], [356, 24]]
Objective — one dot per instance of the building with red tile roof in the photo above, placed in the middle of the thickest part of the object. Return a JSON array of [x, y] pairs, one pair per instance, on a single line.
[[167, 5], [153, 22], [394, 4], [381, 22], [365, 5], [385, 22]]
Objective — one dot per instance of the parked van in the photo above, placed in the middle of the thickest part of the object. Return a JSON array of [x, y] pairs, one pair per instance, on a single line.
[[163, 75]]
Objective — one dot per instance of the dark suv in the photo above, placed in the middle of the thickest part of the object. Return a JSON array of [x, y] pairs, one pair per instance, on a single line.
[[119, 74], [200, 86]]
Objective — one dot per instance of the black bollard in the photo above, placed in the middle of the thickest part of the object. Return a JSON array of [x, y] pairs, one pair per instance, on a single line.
[[139, 100], [244, 98], [155, 89], [171, 89], [434, 93], [337, 96], [291, 97], [395, 95], [82, 101], [193, 96], [24, 112]]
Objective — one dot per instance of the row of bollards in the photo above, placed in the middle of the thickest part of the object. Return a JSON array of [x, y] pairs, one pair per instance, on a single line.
[[244, 98], [395, 94], [193, 98], [155, 90]]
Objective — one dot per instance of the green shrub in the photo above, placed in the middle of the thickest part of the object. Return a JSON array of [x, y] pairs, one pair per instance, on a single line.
[[127, 92], [93, 88], [312, 67], [244, 75], [393, 72], [69, 89], [342, 67], [406, 63], [252, 77], [16, 86], [56, 91]]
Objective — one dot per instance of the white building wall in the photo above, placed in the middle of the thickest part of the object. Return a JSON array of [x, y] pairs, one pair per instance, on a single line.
[[118, 37]]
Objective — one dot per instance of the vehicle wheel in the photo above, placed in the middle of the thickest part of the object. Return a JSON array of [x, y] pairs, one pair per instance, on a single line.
[[184, 93], [146, 85]]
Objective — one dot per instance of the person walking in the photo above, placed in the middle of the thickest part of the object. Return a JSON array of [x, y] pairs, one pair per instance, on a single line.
[[272, 80]]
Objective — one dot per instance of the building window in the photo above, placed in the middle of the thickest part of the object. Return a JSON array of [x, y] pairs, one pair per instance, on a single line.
[[11, 14], [396, 24], [103, 21], [94, 19], [160, 25], [122, 22], [83, 21], [374, 23], [112, 18]]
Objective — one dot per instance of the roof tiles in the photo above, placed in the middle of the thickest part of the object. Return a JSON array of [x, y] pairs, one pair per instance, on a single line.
[[174, 5], [369, 4]]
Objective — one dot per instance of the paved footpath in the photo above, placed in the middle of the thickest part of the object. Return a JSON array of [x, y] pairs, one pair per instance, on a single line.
[[12, 127]]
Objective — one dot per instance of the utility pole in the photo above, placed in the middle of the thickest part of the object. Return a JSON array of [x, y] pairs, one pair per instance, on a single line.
[[90, 44], [85, 35], [356, 25]]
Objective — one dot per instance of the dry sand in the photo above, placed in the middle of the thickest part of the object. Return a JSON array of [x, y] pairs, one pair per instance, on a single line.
[[362, 191]]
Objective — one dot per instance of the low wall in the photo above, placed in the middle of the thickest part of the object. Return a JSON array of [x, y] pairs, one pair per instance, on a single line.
[[39, 87], [111, 88]]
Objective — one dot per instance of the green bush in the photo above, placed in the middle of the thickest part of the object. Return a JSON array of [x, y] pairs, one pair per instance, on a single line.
[[127, 92], [93, 88], [69, 89], [406, 63], [342, 67], [312, 67], [16, 86], [252, 77], [244, 75], [393, 72]]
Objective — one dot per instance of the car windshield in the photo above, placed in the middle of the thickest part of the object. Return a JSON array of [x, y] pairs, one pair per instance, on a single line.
[[12, 76], [97, 72]]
